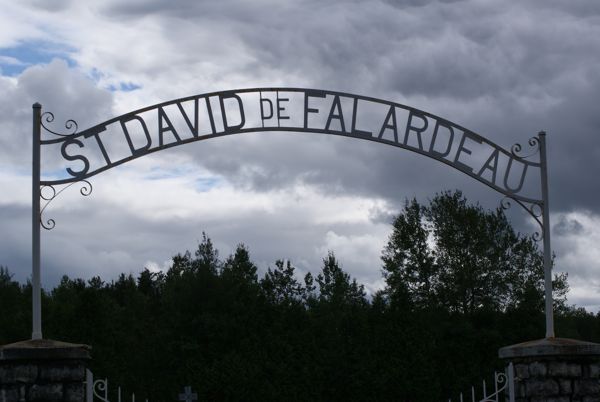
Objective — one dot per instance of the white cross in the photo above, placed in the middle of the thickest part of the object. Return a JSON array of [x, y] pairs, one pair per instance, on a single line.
[[187, 395]]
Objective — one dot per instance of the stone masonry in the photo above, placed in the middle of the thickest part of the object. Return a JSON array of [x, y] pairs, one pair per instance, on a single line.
[[43, 370], [555, 370]]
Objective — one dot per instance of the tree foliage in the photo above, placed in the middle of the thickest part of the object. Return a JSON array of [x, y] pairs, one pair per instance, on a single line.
[[460, 283], [336, 287], [456, 255]]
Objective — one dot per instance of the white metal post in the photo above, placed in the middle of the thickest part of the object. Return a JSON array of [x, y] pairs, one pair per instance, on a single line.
[[546, 238], [35, 225], [89, 386], [511, 382]]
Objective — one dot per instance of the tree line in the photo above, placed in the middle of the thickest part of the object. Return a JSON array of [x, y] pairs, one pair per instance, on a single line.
[[459, 284]]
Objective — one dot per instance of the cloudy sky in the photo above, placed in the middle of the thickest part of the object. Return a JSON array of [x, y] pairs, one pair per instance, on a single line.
[[504, 69]]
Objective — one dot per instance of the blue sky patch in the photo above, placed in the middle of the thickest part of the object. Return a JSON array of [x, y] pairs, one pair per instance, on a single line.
[[13, 60], [204, 184], [201, 184], [124, 87], [157, 173], [55, 174]]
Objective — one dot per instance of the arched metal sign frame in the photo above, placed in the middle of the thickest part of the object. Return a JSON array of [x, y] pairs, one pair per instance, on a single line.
[[217, 114]]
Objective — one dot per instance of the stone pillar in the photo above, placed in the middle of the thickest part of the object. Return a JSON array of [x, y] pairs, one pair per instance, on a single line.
[[555, 370], [43, 370]]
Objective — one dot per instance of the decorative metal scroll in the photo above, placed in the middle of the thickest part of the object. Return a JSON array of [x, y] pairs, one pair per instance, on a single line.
[[503, 389], [97, 390], [200, 117], [70, 125], [533, 208], [50, 191]]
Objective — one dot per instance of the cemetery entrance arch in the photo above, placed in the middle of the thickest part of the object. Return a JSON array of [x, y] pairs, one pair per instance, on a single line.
[[521, 177]]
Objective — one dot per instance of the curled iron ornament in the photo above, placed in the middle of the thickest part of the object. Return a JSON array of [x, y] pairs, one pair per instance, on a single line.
[[70, 125], [52, 190], [505, 203], [501, 380], [534, 209], [48, 193], [49, 224], [100, 389], [517, 149]]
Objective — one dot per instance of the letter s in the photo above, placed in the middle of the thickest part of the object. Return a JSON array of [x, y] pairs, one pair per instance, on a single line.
[[86, 163]]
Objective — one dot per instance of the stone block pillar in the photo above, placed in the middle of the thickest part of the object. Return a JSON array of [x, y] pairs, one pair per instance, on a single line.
[[43, 370], [555, 370]]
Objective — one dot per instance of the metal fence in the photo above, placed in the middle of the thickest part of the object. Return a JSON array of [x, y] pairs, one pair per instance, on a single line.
[[97, 390], [502, 390]]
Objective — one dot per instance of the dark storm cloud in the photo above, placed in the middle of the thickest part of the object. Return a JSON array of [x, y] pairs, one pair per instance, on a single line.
[[458, 50], [52, 5], [566, 226], [512, 73], [576, 8]]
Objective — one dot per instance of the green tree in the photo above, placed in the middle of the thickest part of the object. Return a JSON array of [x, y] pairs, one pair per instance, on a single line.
[[457, 255], [150, 283], [335, 285], [239, 268], [280, 285], [14, 318], [207, 256], [408, 260]]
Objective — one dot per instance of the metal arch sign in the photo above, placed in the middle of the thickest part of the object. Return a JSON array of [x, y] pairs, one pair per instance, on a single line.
[[200, 117]]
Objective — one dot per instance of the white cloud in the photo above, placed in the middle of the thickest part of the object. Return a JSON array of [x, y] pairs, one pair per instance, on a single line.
[[154, 266], [576, 240], [12, 61], [359, 253]]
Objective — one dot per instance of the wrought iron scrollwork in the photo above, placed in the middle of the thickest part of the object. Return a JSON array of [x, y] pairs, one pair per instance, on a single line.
[[100, 389], [70, 125], [502, 388], [501, 378], [500, 383], [48, 193], [534, 209], [517, 149]]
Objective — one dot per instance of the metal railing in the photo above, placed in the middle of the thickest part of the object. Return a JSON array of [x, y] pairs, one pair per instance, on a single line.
[[97, 390], [504, 384]]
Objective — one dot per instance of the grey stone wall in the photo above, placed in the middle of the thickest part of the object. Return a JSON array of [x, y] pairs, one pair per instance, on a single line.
[[555, 370], [557, 379], [43, 371]]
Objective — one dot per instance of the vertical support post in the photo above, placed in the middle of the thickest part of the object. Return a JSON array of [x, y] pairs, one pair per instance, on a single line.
[[511, 382], [546, 238], [89, 386], [35, 225]]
